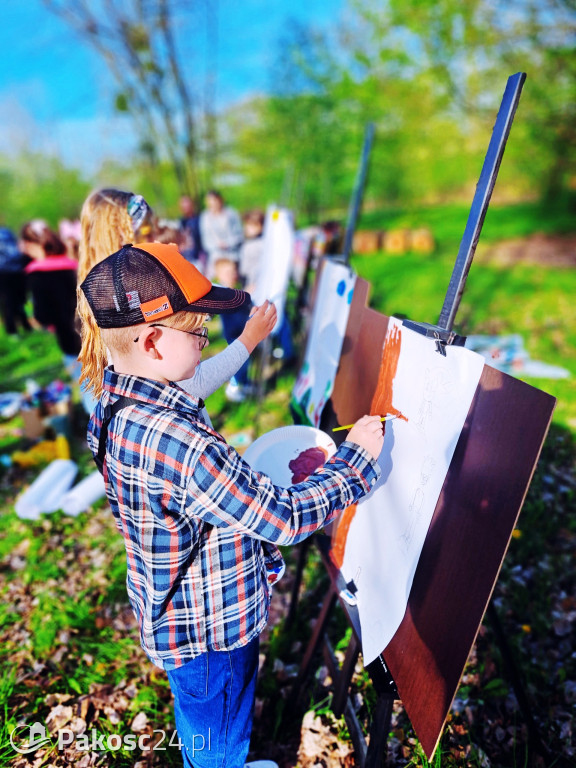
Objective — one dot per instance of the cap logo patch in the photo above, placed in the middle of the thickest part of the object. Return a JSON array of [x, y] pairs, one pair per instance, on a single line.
[[153, 310], [133, 299]]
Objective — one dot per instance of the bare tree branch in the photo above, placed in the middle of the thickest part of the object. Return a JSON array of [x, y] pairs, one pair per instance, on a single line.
[[137, 43]]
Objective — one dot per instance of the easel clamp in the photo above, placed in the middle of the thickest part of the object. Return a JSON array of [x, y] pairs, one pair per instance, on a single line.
[[442, 336]]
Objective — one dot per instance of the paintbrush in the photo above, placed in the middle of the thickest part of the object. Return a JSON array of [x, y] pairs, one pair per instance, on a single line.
[[349, 426]]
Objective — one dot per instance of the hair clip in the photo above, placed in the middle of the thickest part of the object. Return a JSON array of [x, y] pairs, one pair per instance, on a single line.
[[137, 209], [38, 226]]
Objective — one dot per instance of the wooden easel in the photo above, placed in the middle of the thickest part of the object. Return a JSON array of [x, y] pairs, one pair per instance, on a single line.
[[419, 641]]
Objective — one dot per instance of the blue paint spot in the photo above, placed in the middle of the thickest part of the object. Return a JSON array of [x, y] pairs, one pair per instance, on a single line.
[[350, 294], [341, 288]]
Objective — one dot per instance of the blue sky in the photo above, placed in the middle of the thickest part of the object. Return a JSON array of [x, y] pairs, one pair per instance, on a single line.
[[56, 95]]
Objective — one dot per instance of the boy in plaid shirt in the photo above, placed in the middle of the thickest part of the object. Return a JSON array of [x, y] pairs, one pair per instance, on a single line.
[[199, 525]]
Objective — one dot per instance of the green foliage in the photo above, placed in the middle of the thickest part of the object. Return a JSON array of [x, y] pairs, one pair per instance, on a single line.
[[37, 186], [430, 75]]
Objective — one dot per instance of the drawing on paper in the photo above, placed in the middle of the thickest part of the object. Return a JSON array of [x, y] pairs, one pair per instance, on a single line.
[[383, 534], [417, 503]]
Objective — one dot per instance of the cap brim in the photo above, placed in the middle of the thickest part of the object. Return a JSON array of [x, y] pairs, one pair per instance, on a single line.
[[221, 301]]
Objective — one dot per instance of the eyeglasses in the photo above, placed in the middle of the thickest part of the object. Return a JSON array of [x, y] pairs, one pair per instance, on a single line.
[[202, 335]]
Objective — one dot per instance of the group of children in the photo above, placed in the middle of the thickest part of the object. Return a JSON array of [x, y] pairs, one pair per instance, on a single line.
[[39, 263], [201, 528], [227, 249]]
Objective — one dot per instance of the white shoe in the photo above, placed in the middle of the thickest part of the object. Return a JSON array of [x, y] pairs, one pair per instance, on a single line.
[[261, 764]]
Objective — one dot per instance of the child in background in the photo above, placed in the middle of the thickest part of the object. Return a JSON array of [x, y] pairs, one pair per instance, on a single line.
[[192, 249], [221, 233], [251, 249], [12, 284], [70, 233], [111, 218], [195, 517], [52, 282]]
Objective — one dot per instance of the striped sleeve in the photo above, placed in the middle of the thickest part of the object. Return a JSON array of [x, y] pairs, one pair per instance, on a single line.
[[224, 491]]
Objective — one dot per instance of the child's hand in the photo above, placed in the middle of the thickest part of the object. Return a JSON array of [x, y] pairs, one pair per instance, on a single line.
[[368, 433], [261, 322]]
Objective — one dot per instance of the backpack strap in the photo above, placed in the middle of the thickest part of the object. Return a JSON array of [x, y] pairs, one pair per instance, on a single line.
[[109, 412]]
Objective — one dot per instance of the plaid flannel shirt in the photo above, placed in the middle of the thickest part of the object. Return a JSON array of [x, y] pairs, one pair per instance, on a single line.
[[198, 523]]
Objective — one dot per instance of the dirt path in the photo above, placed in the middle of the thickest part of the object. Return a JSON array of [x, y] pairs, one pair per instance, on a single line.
[[546, 250]]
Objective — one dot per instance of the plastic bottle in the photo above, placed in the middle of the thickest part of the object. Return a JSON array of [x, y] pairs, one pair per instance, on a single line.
[[83, 495], [47, 491]]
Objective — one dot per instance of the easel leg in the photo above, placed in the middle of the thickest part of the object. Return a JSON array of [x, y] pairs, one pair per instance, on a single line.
[[313, 648], [342, 683], [318, 634], [303, 548], [379, 730]]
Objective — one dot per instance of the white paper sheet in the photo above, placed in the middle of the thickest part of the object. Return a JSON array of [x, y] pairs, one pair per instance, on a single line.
[[315, 382], [276, 262], [387, 532]]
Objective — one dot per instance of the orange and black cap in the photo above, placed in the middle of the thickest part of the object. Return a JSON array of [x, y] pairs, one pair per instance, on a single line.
[[149, 281]]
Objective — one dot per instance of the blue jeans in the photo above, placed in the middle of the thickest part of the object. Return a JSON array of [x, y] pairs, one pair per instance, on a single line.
[[214, 705]]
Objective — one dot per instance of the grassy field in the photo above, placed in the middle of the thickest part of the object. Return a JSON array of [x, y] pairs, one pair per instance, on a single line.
[[69, 653]]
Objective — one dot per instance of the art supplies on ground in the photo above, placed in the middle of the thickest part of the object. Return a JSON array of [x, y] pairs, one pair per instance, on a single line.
[[45, 407], [46, 492], [83, 494], [507, 354], [45, 450], [10, 403]]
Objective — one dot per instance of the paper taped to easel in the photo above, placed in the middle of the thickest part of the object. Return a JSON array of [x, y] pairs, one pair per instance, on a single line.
[[378, 542]]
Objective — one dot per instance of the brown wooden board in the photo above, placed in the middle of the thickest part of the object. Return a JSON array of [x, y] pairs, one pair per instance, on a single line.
[[359, 363], [470, 531]]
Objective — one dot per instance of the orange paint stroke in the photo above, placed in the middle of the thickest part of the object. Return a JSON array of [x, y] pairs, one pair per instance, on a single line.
[[339, 538], [381, 405], [382, 400]]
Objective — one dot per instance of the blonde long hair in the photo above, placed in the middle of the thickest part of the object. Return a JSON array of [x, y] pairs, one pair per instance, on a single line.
[[106, 227]]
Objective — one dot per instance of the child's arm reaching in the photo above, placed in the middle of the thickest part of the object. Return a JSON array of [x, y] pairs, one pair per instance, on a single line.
[[260, 325], [216, 370]]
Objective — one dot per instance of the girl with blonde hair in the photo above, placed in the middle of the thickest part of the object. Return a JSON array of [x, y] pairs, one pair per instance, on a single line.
[[112, 218]]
